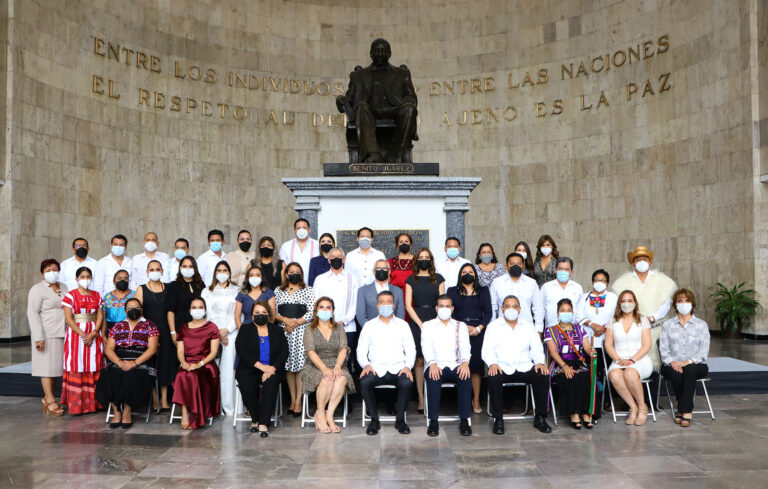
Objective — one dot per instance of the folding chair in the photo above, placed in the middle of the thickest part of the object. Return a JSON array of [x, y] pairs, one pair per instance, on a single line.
[[387, 419], [306, 418], [173, 410], [149, 406], [646, 383], [703, 381], [239, 416], [444, 385]]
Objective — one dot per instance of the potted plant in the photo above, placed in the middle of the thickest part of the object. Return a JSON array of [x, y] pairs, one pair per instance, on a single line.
[[734, 307]]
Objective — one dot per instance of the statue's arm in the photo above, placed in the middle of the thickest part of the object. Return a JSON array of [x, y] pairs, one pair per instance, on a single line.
[[409, 91]]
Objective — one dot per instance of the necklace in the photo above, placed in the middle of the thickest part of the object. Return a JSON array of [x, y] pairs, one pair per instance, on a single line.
[[263, 338]]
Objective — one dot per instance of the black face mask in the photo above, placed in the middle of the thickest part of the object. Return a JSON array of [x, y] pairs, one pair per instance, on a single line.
[[260, 319], [122, 285], [133, 314], [266, 251], [515, 270], [326, 247], [336, 263], [404, 248], [245, 245], [424, 264], [381, 275], [81, 252], [294, 278], [468, 278]]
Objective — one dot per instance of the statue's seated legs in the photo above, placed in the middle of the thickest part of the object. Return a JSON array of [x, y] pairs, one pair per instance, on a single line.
[[369, 148]]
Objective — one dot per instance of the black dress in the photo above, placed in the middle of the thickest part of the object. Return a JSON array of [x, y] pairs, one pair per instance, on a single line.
[[180, 297], [271, 273], [155, 307], [473, 310], [425, 294]]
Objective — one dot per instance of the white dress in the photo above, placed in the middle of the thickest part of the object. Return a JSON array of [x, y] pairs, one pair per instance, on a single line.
[[220, 304], [627, 344]]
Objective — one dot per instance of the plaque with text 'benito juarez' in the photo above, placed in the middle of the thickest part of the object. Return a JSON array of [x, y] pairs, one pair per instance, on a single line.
[[383, 240], [380, 169]]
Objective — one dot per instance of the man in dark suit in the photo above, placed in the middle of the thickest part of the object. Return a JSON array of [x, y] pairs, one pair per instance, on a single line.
[[367, 295], [380, 91]]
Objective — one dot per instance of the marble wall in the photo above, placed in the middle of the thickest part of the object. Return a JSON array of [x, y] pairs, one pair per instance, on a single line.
[[677, 169]]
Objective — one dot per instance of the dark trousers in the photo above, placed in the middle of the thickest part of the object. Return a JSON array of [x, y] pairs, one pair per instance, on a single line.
[[684, 384], [403, 384], [366, 117], [540, 383], [434, 388], [354, 368], [250, 383]]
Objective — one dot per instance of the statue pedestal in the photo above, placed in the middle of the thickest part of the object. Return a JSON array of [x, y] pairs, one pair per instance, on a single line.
[[434, 204]]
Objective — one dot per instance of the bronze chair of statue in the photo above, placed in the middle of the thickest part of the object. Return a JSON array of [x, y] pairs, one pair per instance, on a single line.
[[385, 130]]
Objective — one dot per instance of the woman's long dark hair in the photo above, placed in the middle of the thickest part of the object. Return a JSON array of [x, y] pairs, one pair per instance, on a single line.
[[197, 279], [431, 269], [460, 285]]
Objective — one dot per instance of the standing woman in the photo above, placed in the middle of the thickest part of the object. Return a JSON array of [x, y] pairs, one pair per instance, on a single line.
[[254, 289], [271, 266], [83, 353], [113, 302], [524, 250], [196, 387], [47, 330], [472, 305], [401, 266], [487, 268], [318, 265], [545, 266], [421, 292], [220, 298], [155, 299], [294, 300]]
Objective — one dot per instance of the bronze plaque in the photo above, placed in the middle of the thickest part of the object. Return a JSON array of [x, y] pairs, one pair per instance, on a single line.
[[383, 240]]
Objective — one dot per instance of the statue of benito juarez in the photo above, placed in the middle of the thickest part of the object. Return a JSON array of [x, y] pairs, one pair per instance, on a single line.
[[380, 91]]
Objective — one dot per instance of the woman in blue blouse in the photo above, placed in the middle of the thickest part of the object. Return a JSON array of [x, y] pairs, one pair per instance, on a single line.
[[113, 303], [320, 264]]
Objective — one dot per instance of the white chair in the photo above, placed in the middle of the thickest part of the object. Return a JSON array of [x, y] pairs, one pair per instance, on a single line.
[[307, 419], [703, 381], [149, 405], [444, 385], [528, 392], [239, 416], [173, 416], [388, 419], [646, 383]]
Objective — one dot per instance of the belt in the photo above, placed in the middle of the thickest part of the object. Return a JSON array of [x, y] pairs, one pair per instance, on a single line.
[[85, 318]]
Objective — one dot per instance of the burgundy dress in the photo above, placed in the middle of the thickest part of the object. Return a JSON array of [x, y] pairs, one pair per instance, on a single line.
[[198, 390]]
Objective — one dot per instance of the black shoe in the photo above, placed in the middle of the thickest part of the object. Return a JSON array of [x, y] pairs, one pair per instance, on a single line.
[[296, 414], [373, 427], [254, 429], [540, 422], [464, 428], [433, 429], [498, 426], [402, 428], [264, 434], [289, 411], [114, 425], [126, 426], [420, 411], [576, 425]]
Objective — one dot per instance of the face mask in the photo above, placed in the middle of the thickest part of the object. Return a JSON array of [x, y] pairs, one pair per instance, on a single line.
[[302, 233], [324, 315], [404, 248], [197, 313], [424, 264], [260, 319], [386, 310], [452, 253], [467, 278], [215, 246], [365, 243], [254, 281], [642, 266], [84, 283], [155, 276], [81, 252], [326, 247], [546, 250], [381, 275], [684, 308], [563, 276], [266, 251], [244, 246], [187, 272], [294, 278], [122, 285], [515, 270], [511, 314], [486, 258], [51, 277], [627, 307], [599, 287], [444, 313], [134, 313], [118, 250], [150, 246], [179, 254], [565, 317], [222, 277], [336, 263], [523, 254]]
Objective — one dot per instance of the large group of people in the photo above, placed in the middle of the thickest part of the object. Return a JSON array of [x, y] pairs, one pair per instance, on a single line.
[[174, 329]]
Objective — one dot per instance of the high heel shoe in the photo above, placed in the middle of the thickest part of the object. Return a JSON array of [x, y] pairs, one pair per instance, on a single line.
[[47, 411], [642, 418]]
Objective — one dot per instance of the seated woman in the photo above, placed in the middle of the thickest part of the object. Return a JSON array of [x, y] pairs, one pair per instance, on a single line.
[[262, 350], [128, 380], [326, 373], [113, 303], [569, 348], [196, 387], [627, 342], [684, 347]]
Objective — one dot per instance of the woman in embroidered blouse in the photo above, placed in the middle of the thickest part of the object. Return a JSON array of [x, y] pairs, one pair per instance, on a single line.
[[113, 302], [127, 381], [570, 351], [545, 265]]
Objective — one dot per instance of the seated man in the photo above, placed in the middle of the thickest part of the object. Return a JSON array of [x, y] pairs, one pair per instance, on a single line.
[[445, 343], [367, 295], [386, 349], [513, 352]]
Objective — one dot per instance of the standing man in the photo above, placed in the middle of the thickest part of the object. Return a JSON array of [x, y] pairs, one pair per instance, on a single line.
[[79, 259], [110, 264], [560, 288], [361, 260], [206, 263], [367, 294], [139, 262], [449, 266], [180, 250], [521, 286], [240, 258], [301, 249]]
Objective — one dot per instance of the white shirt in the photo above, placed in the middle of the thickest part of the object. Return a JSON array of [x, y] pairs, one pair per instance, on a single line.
[[386, 347], [361, 265], [139, 267], [381, 287], [603, 316], [552, 292], [449, 269], [107, 268], [171, 270], [514, 350], [342, 288], [220, 304], [206, 265], [446, 345], [527, 292], [290, 252], [69, 267]]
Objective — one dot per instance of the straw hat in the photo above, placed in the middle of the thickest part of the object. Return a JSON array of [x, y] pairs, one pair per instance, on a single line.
[[639, 251]]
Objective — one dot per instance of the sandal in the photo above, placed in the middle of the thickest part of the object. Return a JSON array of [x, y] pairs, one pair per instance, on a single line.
[[588, 424], [686, 422], [642, 418], [678, 418], [576, 425], [57, 411], [320, 423], [632, 417]]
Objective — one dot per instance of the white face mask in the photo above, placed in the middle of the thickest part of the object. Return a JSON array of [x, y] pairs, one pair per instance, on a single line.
[[642, 266], [155, 276], [197, 313], [222, 277], [85, 283], [599, 287], [51, 277], [684, 308], [302, 233], [187, 272], [150, 246], [546, 250], [511, 314], [254, 281], [365, 243], [627, 307], [444, 313], [525, 255]]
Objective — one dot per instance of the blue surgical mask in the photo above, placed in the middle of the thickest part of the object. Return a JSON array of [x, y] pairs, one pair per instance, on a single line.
[[179, 254], [452, 253], [386, 310], [565, 317], [215, 246], [365, 243], [324, 315], [563, 276], [486, 258], [118, 250]]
